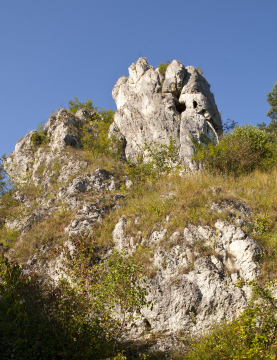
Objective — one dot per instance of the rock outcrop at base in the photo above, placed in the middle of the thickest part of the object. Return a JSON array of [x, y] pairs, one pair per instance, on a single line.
[[153, 107], [201, 276]]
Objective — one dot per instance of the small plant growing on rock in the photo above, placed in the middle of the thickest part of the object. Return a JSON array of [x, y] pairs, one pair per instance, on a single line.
[[3, 182], [163, 66], [200, 70], [75, 105], [39, 138], [164, 158]]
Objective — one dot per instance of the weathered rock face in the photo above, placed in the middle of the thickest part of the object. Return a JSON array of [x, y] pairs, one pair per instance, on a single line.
[[153, 107], [31, 163], [191, 291]]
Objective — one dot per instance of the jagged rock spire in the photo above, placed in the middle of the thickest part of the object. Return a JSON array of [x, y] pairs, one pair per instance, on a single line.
[[153, 107]]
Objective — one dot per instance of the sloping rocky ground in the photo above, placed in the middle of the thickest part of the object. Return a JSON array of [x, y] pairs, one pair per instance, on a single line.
[[199, 274]]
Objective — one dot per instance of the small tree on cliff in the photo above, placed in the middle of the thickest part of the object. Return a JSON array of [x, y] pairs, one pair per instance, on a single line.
[[272, 100], [3, 183], [272, 112]]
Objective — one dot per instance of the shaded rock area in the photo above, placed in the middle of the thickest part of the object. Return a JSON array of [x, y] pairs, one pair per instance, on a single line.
[[153, 107]]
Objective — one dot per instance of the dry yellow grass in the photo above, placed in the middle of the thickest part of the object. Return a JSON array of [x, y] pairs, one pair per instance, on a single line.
[[188, 200]]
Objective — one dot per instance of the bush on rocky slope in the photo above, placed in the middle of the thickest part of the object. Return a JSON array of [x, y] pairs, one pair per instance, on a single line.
[[245, 149], [75, 105], [68, 320]]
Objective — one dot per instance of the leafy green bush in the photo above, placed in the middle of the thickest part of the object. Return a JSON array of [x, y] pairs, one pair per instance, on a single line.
[[95, 133], [271, 127], [3, 182], [242, 151], [119, 292], [272, 100], [95, 130], [163, 66], [162, 159], [75, 105], [69, 320], [43, 322], [39, 138]]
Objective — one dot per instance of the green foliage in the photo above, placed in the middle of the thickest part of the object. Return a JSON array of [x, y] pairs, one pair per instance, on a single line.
[[261, 225], [272, 100], [116, 286], [118, 293], [95, 130], [251, 336], [161, 159], [81, 319], [271, 127], [3, 181], [229, 125], [39, 138], [95, 133], [244, 150], [163, 66], [75, 105], [164, 158], [42, 322]]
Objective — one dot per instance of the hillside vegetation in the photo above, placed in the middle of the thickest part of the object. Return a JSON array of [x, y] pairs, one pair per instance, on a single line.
[[76, 318]]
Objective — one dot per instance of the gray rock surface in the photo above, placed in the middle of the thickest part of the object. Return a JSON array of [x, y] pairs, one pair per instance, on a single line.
[[30, 163], [151, 107], [191, 291], [99, 180]]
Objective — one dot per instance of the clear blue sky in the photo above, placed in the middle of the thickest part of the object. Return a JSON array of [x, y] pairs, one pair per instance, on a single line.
[[54, 50]]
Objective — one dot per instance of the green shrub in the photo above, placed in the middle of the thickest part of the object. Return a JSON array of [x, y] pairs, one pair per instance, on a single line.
[[163, 66], [75, 105], [272, 100], [245, 149], [39, 138], [43, 321], [162, 159], [95, 132], [3, 182]]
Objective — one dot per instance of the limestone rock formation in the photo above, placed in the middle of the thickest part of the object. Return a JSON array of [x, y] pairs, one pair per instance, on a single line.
[[31, 163], [153, 107], [191, 291]]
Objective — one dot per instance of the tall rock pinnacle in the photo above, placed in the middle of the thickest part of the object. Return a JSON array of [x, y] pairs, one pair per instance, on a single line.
[[154, 107]]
